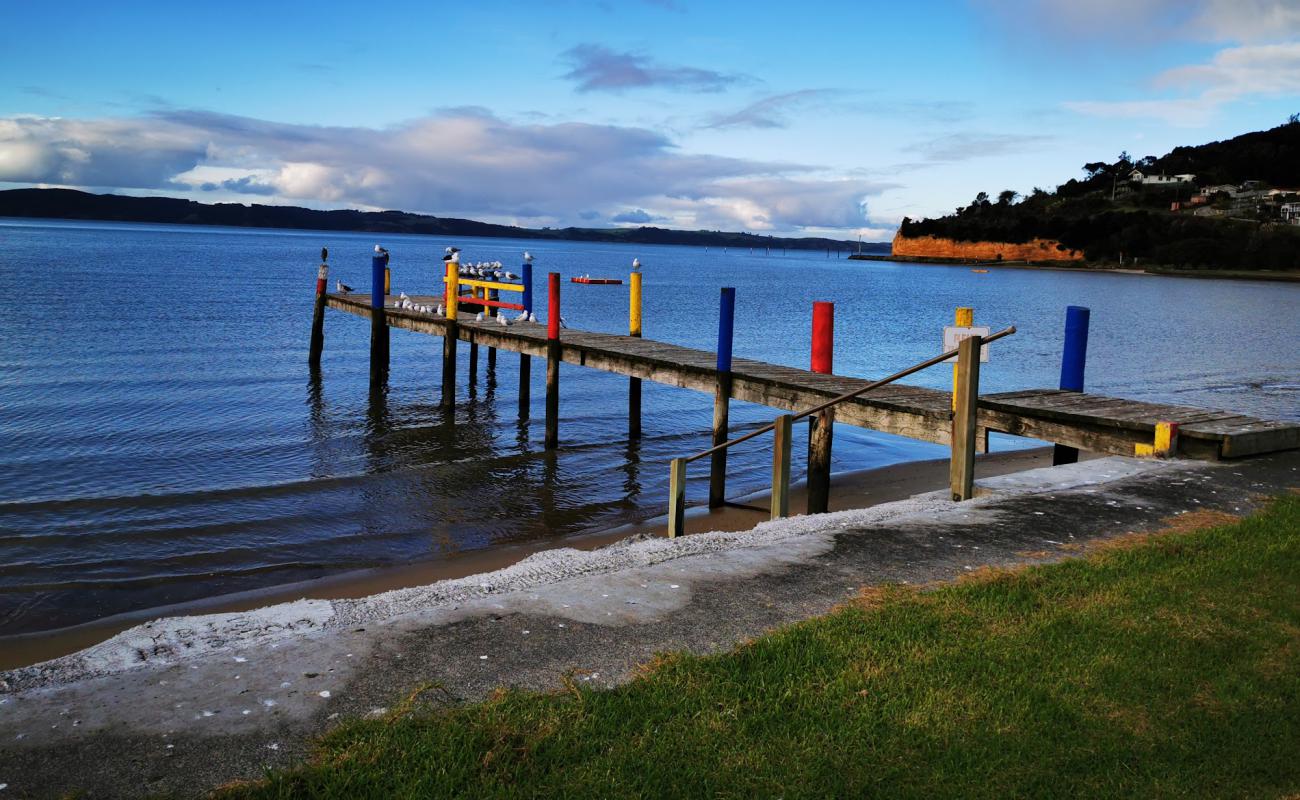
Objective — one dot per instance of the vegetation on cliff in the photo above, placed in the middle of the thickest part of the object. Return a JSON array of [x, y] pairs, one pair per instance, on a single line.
[[1112, 218], [70, 204]]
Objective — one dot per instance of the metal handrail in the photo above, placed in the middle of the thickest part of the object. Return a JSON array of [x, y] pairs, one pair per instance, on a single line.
[[930, 362]]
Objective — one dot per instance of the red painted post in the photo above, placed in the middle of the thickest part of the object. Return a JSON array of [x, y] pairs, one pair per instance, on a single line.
[[823, 337], [552, 360], [821, 426]]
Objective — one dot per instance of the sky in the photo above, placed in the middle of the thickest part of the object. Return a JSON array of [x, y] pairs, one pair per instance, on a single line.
[[807, 118]]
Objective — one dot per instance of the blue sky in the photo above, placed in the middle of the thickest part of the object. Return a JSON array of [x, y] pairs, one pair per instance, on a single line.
[[787, 118]]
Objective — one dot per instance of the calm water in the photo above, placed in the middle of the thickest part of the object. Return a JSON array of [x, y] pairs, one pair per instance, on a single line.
[[161, 439]]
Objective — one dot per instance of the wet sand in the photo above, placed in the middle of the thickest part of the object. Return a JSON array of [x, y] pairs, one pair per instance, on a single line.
[[849, 490]]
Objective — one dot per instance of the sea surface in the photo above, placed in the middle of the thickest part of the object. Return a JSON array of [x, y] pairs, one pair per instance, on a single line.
[[162, 439]]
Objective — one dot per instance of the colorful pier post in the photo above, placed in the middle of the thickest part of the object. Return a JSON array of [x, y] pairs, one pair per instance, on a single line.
[[963, 317], [318, 312], [1073, 358], [961, 465], [552, 360], [525, 360], [634, 329], [722, 397], [378, 320], [449, 339], [821, 426]]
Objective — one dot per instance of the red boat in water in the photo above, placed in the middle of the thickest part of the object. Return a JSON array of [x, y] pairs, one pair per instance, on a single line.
[[599, 281]]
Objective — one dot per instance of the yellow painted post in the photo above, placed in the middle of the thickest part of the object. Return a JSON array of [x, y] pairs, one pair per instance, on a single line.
[[1166, 439], [453, 288], [961, 465], [781, 467], [450, 337], [388, 281], [634, 384], [677, 498], [963, 318]]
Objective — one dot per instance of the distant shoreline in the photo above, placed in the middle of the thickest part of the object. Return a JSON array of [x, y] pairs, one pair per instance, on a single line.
[[1219, 274], [68, 204]]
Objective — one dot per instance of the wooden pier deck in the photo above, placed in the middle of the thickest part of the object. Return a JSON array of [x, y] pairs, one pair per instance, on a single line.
[[1084, 421]]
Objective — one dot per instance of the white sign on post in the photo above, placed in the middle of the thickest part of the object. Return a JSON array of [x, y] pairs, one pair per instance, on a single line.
[[953, 335]]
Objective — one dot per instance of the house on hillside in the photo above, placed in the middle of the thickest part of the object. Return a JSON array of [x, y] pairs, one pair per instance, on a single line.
[[1291, 213], [1149, 179]]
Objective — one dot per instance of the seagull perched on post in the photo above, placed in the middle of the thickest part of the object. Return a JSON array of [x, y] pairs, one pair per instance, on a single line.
[[451, 251], [636, 263], [382, 253], [340, 286], [324, 254], [528, 257]]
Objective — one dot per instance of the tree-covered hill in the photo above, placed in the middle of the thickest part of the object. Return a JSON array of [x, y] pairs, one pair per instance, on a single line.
[[1110, 217]]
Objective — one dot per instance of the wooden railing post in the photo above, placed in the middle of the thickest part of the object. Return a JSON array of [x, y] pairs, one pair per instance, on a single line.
[[677, 498], [961, 470], [525, 360], [318, 313], [781, 466]]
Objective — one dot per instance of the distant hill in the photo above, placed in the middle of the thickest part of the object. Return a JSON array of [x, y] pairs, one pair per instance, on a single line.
[[70, 204], [1112, 218]]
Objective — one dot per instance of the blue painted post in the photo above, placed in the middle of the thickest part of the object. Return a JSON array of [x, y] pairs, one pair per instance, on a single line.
[[525, 360], [722, 397], [1073, 359], [378, 320]]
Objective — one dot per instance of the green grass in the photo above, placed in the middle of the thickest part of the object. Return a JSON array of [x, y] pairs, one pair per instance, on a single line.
[[1168, 666]]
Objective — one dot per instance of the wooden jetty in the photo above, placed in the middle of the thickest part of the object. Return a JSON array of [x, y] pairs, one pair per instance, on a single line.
[[1071, 419]]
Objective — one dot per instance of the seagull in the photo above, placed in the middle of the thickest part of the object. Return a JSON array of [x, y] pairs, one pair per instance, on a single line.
[[532, 317], [636, 263], [340, 286], [442, 312], [452, 255], [382, 253], [528, 257], [510, 276], [324, 254], [563, 323], [505, 323], [523, 317], [478, 317]]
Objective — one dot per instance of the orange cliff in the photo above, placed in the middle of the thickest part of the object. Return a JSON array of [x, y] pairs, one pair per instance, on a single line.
[[1035, 250]]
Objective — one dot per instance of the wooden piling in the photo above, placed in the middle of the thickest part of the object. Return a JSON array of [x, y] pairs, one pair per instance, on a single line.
[[318, 316], [821, 426], [634, 329], [781, 466], [677, 498], [1074, 356], [473, 366], [525, 360], [452, 292], [553, 361], [722, 397], [378, 323], [961, 467]]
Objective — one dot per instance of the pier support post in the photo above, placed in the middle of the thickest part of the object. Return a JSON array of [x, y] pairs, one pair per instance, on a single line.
[[963, 318], [677, 498], [1073, 358], [378, 322], [961, 466], [525, 360], [821, 426], [781, 466], [553, 361], [473, 367], [318, 314], [449, 339], [722, 396], [634, 329]]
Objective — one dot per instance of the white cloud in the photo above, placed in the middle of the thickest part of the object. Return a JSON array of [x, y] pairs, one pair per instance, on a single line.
[[460, 162], [1234, 73]]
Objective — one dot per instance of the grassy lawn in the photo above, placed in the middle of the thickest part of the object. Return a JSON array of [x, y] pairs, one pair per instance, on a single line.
[[1156, 667]]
